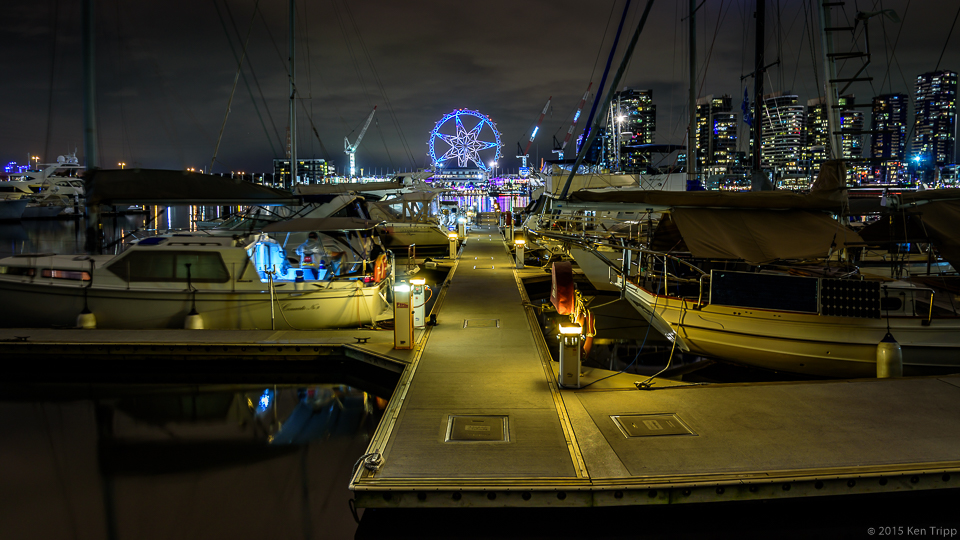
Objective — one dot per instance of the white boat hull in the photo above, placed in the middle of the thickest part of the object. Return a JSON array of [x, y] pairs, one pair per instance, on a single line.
[[802, 343], [12, 209], [41, 305]]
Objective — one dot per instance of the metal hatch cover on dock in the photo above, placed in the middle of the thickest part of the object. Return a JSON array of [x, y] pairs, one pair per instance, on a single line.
[[573, 448]]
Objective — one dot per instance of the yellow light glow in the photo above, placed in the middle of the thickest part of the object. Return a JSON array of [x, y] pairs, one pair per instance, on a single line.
[[519, 241], [420, 281], [452, 235], [402, 287], [570, 329]]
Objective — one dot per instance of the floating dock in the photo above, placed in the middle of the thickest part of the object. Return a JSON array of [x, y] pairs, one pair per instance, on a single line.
[[478, 420]]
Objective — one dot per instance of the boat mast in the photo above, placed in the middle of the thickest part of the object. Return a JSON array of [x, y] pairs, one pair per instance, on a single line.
[[830, 91], [592, 133], [692, 132], [758, 85], [92, 241], [293, 94]]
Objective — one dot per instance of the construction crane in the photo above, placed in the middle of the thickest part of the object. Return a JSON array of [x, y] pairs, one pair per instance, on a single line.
[[525, 152], [558, 148], [351, 149]]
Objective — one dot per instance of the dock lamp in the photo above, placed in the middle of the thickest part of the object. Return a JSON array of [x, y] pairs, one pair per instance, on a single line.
[[402, 316], [452, 238], [519, 242], [418, 288], [570, 336], [462, 227]]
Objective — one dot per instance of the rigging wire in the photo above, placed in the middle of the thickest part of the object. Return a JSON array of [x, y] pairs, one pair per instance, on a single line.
[[893, 53], [253, 74], [382, 89], [236, 79], [124, 136], [596, 62], [53, 67], [947, 41]]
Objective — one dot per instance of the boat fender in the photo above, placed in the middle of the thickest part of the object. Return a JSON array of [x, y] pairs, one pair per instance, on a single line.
[[194, 321], [87, 320], [562, 290], [889, 358], [380, 268]]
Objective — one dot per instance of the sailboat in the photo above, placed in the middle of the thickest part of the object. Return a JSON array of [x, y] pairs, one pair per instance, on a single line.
[[760, 279]]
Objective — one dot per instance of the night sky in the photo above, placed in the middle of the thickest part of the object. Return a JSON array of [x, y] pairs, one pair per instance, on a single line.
[[165, 71]]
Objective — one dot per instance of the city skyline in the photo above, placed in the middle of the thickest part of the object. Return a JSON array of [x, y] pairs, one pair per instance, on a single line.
[[163, 87]]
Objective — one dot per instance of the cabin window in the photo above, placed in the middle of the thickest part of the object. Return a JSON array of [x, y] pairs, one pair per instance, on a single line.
[[171, 266]]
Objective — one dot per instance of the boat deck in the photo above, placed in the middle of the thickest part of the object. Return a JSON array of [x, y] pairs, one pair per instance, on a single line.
[[486, 366]]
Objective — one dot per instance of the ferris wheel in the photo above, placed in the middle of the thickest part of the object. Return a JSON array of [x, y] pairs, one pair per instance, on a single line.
[[467, 136]]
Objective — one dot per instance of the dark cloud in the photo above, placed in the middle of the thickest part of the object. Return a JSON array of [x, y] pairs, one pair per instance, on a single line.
[[165, 71]]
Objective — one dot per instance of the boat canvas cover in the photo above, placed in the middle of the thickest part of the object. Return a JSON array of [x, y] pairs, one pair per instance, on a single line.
[[163, 187], [321, 224], [346, 187], [941, 219], [713, 199], [828, 193], [760, 236]]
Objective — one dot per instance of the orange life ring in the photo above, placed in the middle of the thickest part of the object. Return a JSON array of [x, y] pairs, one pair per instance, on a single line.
[[380, 268]]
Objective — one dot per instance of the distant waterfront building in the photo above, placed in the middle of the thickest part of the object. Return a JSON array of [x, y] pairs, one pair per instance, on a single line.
[[889, 142], [935, 124], [783, 135], [818, 147], [309, 171], [632, 121], [716, 135]]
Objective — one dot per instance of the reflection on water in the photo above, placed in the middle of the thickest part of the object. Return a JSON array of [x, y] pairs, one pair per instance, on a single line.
[[221, 462], [67, 236]]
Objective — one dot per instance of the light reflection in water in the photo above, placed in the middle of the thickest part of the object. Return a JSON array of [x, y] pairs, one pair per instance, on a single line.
[[167, 463], [67, 236]]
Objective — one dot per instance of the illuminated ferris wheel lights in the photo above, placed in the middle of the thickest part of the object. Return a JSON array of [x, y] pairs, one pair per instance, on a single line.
[[466, 145]]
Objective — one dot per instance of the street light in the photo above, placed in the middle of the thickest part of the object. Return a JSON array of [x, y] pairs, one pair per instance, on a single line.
[[122, 165]]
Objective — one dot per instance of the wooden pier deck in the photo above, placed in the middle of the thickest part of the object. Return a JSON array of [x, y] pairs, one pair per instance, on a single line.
[[485, 371]]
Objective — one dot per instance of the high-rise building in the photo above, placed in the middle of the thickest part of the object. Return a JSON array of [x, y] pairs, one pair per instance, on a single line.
[[633, 121], [716, 134], [817, 146], [783, 135], [935, 124], [819, 143], [889, 142]]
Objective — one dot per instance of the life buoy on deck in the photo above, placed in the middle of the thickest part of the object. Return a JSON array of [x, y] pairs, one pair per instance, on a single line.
[[380, 268]]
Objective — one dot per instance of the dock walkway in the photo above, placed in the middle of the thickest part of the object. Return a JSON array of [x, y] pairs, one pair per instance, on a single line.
[[478, 420]]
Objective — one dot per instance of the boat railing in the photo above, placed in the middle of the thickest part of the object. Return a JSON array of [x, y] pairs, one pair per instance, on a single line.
[[909, 296], [633, 227], [623, 270]]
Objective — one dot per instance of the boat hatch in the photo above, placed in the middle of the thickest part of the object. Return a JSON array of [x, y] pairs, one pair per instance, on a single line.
[[471, 428], [651, 425], [167, 266]]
